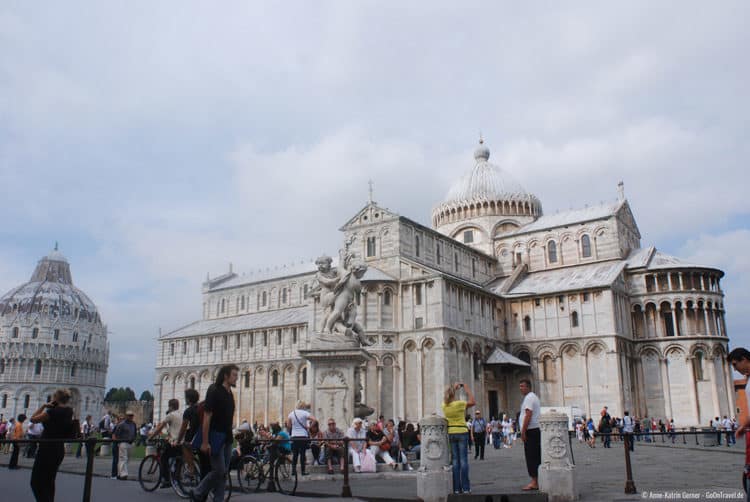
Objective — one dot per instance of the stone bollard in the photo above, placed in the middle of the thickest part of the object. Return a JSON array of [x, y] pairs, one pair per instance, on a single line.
[[434, 477], [557, 472], [105, 450]]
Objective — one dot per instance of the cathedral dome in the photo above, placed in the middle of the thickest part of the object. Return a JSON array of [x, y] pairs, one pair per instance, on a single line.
[[50, 292], [486, 199], [486, 182]]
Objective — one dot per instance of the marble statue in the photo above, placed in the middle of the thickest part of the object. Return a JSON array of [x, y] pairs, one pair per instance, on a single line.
[[338, 297]]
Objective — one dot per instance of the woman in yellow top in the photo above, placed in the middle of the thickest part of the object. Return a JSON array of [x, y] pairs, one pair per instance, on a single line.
[[455, 411]]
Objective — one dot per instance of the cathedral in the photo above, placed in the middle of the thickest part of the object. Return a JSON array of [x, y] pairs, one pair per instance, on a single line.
[[51, 336], [493, 291]]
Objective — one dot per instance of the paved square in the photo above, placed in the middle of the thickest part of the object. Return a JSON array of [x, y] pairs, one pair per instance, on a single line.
[[659, 472]]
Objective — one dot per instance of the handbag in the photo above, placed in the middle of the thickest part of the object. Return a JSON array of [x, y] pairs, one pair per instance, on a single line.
[[369, 464]]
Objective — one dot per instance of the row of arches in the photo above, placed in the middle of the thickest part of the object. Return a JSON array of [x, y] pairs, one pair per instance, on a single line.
[[264, 393], [453, 212], [552, 250], [682, 281], [684, 317]]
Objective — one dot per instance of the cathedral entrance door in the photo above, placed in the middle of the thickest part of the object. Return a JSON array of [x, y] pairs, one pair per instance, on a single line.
[[493, 403]]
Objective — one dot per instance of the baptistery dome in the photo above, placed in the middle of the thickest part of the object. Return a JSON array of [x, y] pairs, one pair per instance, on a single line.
[[485, 202], [51, 336]]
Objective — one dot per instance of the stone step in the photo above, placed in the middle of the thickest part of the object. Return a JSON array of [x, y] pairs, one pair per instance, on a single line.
[[322, 469]]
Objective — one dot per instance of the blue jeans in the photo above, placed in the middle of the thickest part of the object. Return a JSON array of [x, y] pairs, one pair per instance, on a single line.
[[216, 479], [460, 460]]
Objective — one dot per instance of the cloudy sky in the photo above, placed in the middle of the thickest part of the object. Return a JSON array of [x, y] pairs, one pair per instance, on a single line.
[[159, 141]]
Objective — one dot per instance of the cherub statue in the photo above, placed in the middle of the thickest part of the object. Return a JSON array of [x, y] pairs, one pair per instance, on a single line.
[[326, 280], [342, 318]]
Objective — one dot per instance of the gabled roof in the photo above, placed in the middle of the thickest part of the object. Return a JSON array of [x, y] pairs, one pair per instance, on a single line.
[[258, 320], [593, 213], [365, 214], [594, 275], [269, 274], [499, 356], [651, 259]]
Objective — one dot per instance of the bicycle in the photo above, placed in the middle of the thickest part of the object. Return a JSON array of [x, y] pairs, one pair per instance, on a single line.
[[186, 477], [256, 469], [150, 474]]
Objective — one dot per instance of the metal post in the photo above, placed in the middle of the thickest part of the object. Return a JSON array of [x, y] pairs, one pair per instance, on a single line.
[[273, 453], [629, 484], [90, 448], [346, 490]]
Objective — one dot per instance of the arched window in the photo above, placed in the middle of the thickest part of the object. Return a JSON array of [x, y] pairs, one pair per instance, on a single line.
[[35, 333], [305, 290], [242, 302], [251, 337], [548, 369], [265, 338], [304, 376], [192, 382], [416, 245], [525, 357], [527, 323], [223, 305], [247, 379], [274, 378], [586, 246], [38, 367], [371, 247], [5, 401], [264, 299], [15, 333], [184, 347], [171, 349], [283, 295], [73, 370], [294, 334], [387, 297], [197, 346], [698, 365], [278, 337], [26, 401], [552, 252], [574, 319]]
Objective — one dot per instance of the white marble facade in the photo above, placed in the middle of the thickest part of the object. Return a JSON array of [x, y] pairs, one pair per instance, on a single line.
[[599, 319], [51, 336]]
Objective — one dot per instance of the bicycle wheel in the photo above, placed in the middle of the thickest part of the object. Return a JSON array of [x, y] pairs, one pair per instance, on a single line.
[[286, 476], [186, 477], [247, 474], [264, 474], [227, 488], [149, 473]]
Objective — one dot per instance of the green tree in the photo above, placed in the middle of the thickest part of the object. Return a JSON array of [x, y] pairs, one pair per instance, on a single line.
[[146, 396]]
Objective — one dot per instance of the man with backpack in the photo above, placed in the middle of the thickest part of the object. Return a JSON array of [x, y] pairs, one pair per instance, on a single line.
[[215, 434], [478, 431]]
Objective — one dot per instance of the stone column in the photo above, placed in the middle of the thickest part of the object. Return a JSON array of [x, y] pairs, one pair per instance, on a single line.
[[334, 381], [434, 475], [379, 397], [711, 366], [665, 384], [706, 330], [557, 471], [420, 386]]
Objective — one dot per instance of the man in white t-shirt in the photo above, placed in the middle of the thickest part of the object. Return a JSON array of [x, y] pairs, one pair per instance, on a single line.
[[726, 424], [627, 428], [531, 435], [298, 420], [173, 423]]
